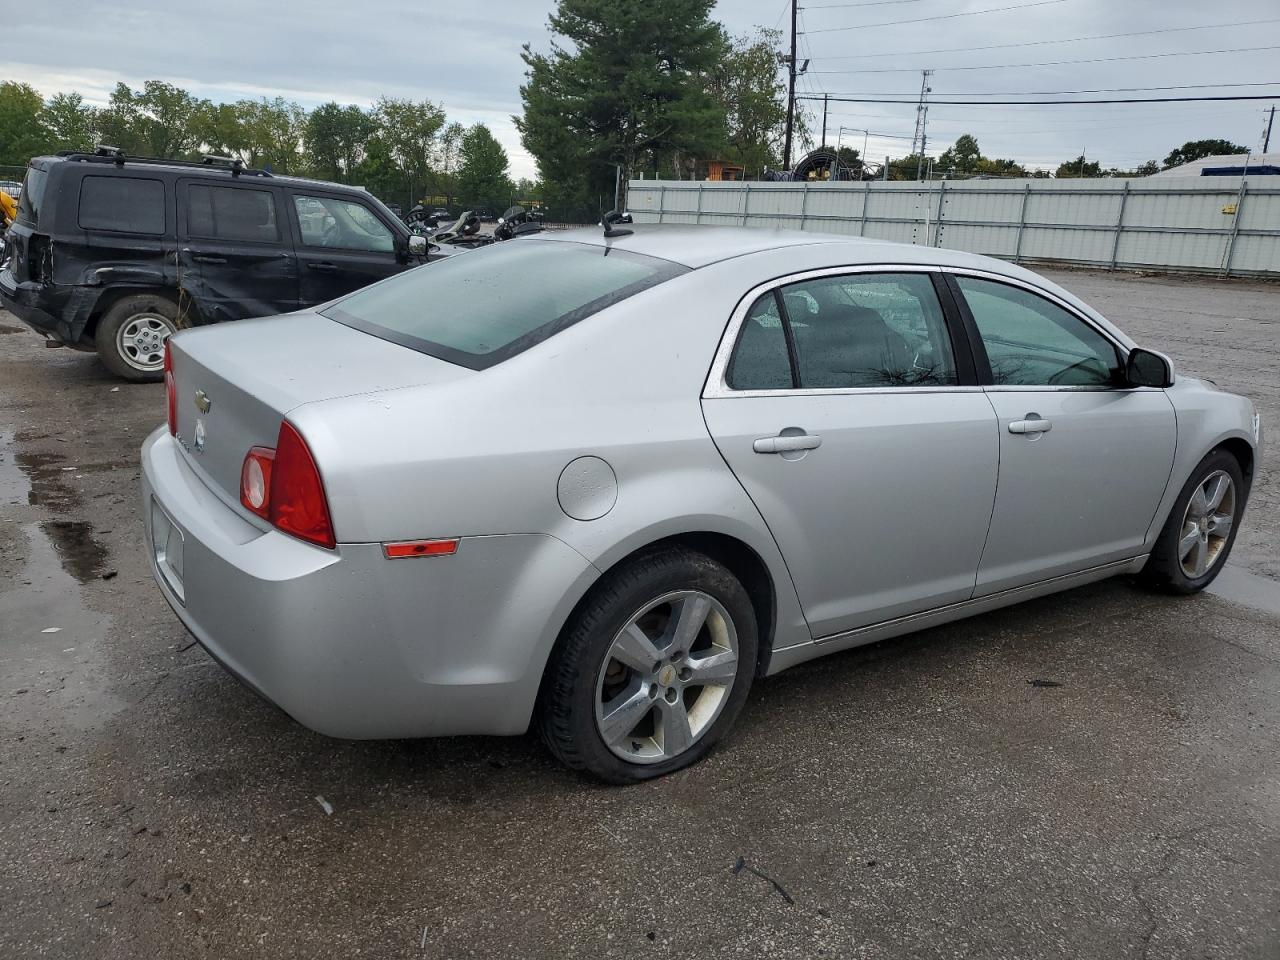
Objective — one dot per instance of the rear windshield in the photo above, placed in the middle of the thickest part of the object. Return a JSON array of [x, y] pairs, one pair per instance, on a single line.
[[32, 196], [479, 308]]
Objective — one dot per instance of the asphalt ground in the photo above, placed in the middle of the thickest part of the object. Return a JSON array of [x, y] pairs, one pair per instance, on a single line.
[[1094, 774]]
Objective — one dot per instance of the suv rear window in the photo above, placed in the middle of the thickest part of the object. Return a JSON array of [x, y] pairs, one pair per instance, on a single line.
[[32, 196], [122, 204], [231, 213], [480, 308]]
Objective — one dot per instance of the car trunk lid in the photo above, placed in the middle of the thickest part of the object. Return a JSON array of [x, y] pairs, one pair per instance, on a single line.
[[235, 383]]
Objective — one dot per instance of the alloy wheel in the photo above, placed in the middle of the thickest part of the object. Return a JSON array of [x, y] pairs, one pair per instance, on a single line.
[[666, 677], [1206, 525]]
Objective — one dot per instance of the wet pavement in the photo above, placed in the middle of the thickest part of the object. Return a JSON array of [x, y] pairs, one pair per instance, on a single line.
[[1094, 774]]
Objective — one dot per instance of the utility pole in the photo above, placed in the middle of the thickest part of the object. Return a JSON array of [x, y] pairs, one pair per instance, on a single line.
[[825, 97], [791, 88], [1266, 140], [922, 115]]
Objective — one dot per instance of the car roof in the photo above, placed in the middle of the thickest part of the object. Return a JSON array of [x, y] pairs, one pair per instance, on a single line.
[[699, 246], [137, 165]]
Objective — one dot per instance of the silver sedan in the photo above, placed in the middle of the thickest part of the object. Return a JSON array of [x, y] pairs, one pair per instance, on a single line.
[[602, 483]]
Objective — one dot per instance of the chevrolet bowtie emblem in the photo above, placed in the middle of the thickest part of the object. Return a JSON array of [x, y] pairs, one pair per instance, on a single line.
[[203, 403]]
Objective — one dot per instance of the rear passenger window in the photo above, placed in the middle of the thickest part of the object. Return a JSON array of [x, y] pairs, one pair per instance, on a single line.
[[122, 204], [869, 330], [760, 360], [864, 330], [231, 213]]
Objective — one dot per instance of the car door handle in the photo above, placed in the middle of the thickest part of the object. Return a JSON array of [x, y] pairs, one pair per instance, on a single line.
[[205, 258], [786, 444], [322, 267], [1030, 425]]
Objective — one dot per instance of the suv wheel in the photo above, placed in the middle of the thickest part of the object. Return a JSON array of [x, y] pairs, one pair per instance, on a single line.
[[131, 335], [652, 670]]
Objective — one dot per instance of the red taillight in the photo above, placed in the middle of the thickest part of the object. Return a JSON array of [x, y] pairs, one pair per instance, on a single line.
[[283, 486], [255, 481], [170, 390]]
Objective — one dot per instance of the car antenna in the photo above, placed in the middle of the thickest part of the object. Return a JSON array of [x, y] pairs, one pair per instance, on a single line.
[[615, 217]]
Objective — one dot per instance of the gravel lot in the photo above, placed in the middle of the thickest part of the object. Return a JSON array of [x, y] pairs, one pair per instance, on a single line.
[[920, 798]]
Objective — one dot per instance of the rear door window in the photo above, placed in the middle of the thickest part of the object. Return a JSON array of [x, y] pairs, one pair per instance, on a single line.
[[479, 308], [232, 213], [122, 205]]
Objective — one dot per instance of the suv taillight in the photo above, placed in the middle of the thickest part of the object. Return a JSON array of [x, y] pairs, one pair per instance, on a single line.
[[283, 486], [170, 390]]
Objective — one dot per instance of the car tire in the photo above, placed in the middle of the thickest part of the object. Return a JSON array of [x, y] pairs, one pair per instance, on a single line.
[[130, 336], [594, 683], [1193, 545]]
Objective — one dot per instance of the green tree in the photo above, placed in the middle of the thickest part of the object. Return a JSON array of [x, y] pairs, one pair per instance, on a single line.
[[962, 157], [22, 134], [69, 124], [410, 130], [1198, 149], [271, 133], [623, 84], [1079, 167], [746, 83], [482, 176], [160, 120], [336, 137]]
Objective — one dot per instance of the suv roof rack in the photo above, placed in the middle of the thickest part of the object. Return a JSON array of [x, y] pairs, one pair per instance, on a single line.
[[107, 154]]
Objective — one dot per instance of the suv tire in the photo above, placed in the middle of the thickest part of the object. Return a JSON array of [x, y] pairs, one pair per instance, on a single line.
[[131, 334], [651, 670]]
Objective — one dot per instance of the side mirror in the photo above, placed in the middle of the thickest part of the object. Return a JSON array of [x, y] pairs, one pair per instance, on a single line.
[[417, 245], [1146, 368]]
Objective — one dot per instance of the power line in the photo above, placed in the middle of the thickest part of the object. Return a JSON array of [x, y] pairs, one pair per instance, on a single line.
[[1054, 93], [1047, 103], [861, 3], [1061, 63], [1041, 43], [942, 16]]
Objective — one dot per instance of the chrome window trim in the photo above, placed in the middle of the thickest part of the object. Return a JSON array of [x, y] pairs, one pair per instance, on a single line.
[[717, 387]]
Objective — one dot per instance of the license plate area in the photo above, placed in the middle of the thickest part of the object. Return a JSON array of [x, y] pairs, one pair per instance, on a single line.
[[166, 549]]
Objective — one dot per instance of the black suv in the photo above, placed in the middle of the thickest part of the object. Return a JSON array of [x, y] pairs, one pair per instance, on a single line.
[[114, 253]]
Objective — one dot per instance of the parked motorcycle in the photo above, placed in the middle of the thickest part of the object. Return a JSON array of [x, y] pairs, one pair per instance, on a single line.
[[516, 222], [463, 233]]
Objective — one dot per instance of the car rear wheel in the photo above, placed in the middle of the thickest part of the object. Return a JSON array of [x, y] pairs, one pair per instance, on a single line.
[[1197, 537], [131, 334], [652, 669]]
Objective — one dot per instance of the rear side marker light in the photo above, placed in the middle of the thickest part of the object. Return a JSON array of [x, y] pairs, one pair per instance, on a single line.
[[420, 548]]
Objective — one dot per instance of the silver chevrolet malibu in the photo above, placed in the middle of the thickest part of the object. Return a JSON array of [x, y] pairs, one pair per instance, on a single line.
[[602, 483]]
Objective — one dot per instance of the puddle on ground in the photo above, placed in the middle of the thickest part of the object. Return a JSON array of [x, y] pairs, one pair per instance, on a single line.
[[43, 480], [1238, 585], [50, 641], [82, 556]]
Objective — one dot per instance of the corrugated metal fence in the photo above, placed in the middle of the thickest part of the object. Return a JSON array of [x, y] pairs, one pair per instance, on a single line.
[[1215, 225]]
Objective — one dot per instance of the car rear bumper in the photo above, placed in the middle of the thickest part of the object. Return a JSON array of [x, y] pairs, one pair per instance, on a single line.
[[345, 641], [26, 301]]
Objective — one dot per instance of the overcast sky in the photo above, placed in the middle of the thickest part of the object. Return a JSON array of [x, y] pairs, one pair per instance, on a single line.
[[467, 56]]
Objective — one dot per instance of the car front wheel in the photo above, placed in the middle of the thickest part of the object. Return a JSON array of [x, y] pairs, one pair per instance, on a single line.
[[652, 669], [1197, 537]]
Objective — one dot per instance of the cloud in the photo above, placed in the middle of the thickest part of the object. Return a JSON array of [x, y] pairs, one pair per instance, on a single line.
[[468, 58]]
